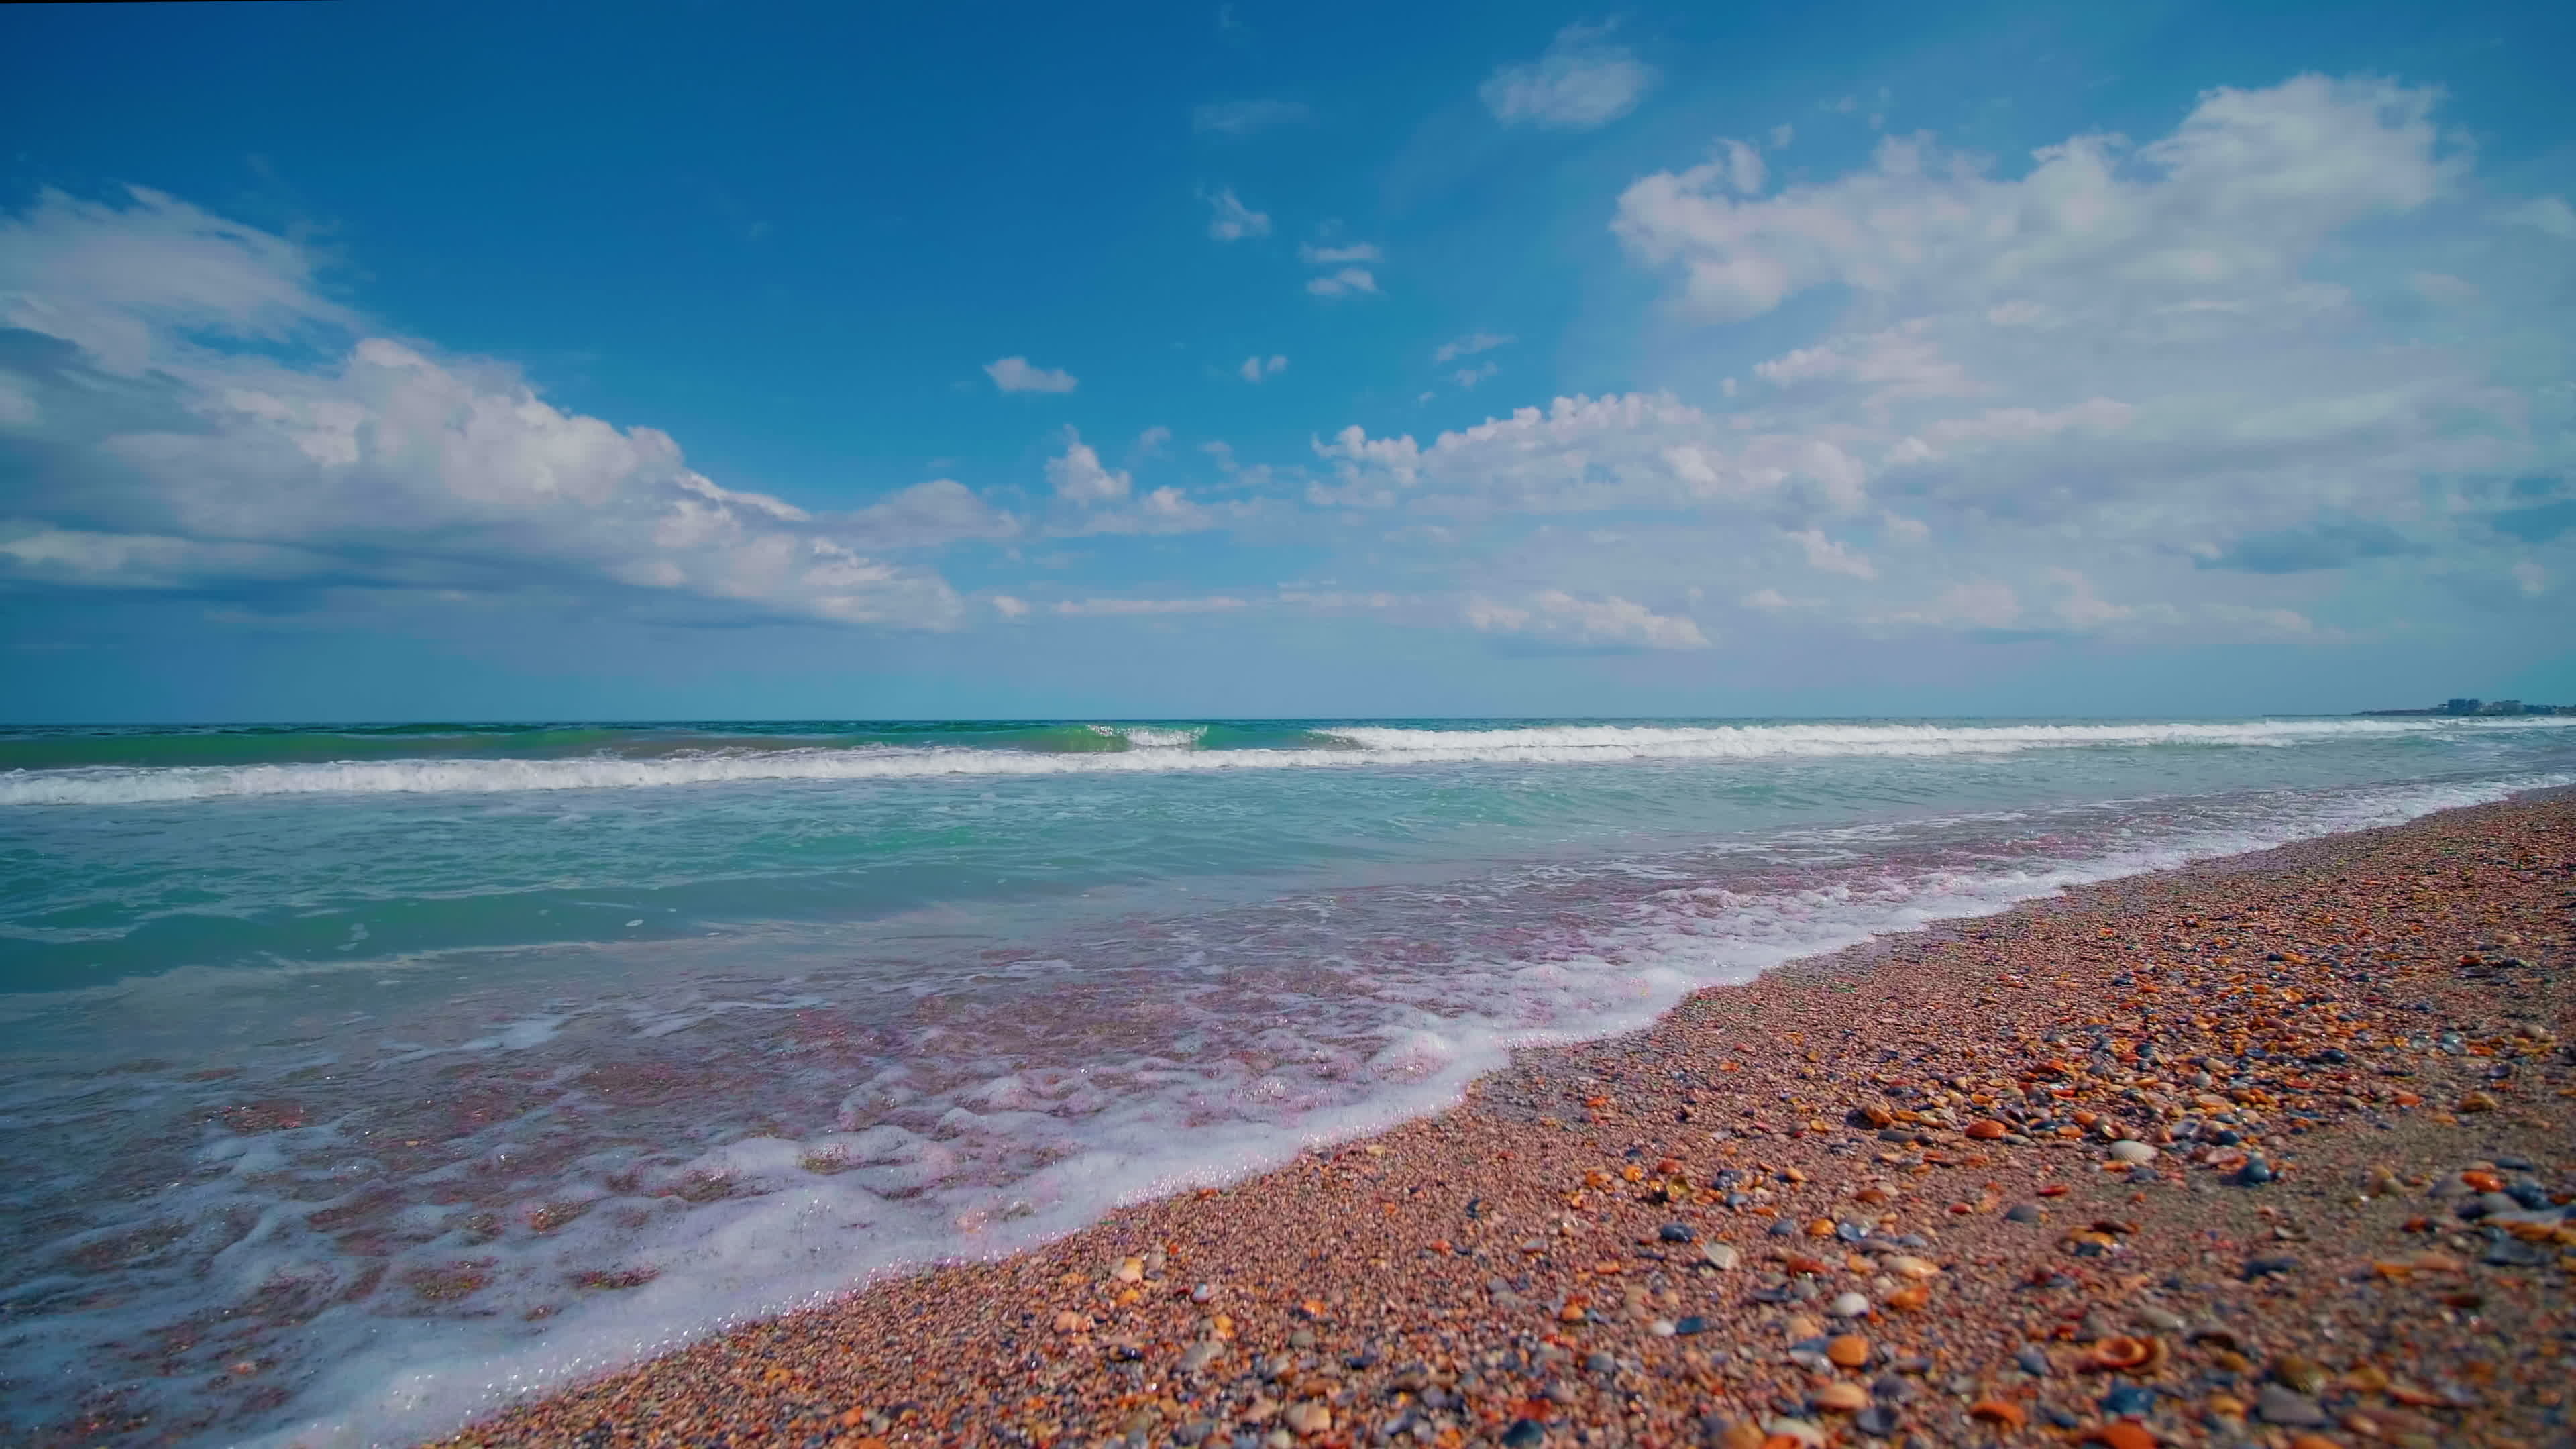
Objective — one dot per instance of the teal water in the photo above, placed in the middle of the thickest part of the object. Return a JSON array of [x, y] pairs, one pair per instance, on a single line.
[[297, 1019]]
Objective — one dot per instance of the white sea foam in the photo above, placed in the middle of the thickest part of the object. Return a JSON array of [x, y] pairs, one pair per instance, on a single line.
[[1162, 751]]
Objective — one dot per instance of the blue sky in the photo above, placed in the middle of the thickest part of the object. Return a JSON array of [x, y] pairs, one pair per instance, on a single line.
[[694, 361]]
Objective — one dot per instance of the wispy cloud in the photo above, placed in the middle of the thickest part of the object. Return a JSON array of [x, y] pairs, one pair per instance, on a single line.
[[1348, 282], [1231, 220], [1470, 345], [1245, 118], [1014, 374], [1578, 83], [1256, 368]]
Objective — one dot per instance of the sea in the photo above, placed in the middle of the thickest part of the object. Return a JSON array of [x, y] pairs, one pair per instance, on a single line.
[[355, 1080]]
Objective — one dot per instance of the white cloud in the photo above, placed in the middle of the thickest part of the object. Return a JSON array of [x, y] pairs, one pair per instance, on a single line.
[[1216, 603], [2246, 186], [1009, 607], [1014, 374], [18, 407], [1348, 282], [1078, 477], [1470, 376], [1471, 344], [1744, 168], [1329, 256], [1244, 118], [1257, 367], [1153, 440], [270, 443], [1782, 134], [1606, 622], [2550, 214], [1577, 84], [1230, 220], [1830, 556]]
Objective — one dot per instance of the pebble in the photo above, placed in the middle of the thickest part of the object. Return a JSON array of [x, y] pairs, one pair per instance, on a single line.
[[1662, 1328], [1721, 1256], [2127, 1150], [1524, 1434], [1200, 1356], [1878, 1421], [1849, 1305], [1841, 1397], [1308, 1417], [1782, 1228], [1675, 1232], [2033, 1361], [1849, 1351], [2129, 1401], [2021, 1213], [2288, 1408], [1694, 1324], [2259, 1268]]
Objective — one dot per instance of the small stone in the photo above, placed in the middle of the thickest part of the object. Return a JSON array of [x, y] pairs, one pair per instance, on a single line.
[[1782, 1228], [2478, 1102], [2306, 1376], [1878, 1421], [1675, 1232], [2127, 1150], [2255, 1173], [1841, 1397], [1661, 1328], [1200, 1356], [1849, 1305], [1848, 1351], [2159, 1320], [1308, 1418], [1721, 1256], [2287, 1408], [2121, 1434], [1694, 1324], [1599, 1363], [1997, 1411], [2129, 1401], [1800, 1328], [2032, 1360], [1987, 1129], [1131, 1270], [1908, 1267], [1524, 1434], [2022, 1213], [2260, 1268], [1806, 1432]]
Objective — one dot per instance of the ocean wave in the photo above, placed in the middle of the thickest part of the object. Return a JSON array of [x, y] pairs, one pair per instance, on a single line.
[[1144, 749]]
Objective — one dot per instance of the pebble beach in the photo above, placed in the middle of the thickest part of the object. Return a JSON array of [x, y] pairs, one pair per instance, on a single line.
[[2273, 1150]]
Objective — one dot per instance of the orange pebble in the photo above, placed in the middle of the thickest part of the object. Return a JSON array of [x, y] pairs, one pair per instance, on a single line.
[[1987, 1129], [1997, 1411], [2121, 1434]]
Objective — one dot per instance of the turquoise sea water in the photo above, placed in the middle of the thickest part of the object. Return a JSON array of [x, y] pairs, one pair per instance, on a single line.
[[355, 1078]]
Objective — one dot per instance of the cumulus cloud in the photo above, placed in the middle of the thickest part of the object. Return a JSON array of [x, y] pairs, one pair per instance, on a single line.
[[1608, 622], [1014, 374], [246, 433], [1077, 476], [1580, 82], [1230, 220], [1257, 367], [1244, 118]]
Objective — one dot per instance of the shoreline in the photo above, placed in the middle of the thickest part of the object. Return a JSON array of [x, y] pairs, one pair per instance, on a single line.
[[1514, 1269]]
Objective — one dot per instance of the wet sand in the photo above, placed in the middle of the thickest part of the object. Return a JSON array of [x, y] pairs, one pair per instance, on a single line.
[[2274, 1150]]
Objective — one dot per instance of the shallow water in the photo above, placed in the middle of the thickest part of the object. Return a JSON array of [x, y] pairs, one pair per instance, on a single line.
[[359, 1077]]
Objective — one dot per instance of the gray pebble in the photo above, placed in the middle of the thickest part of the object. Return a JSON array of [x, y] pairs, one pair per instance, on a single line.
[[2278, 1405], [2022, 1213], [2032, 1361]]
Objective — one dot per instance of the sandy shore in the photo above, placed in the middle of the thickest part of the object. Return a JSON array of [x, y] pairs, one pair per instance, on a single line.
[[2274, 1150]]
